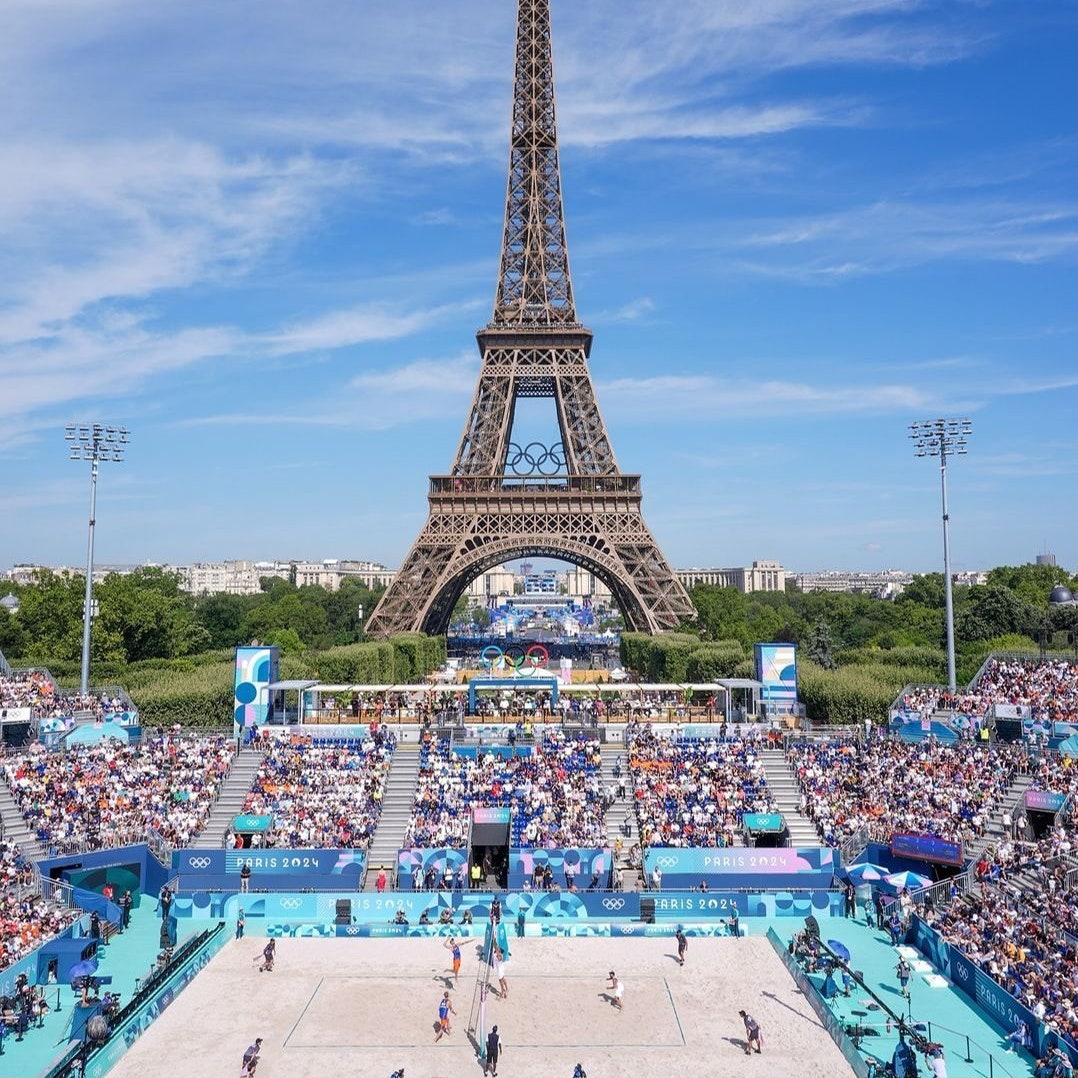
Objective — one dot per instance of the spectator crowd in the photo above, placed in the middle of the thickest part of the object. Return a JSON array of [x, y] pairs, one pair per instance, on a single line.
[[111, 794], [26, 919], [694, 791], [889, 785], [554, 788], [322, 793]]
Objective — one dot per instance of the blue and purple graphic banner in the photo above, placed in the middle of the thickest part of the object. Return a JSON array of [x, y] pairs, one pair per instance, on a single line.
[[776, 670], [1044, 800], [256, 670], [344, 866], [426, 860], [578, 865], [740, 867]]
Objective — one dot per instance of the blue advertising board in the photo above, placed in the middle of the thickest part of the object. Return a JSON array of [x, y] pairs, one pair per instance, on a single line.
[[705, 905], [1045, 800], [989, 996], [927, 848], [578, 865], [425, 860], [346, 866], [741, 867], [776, 670]]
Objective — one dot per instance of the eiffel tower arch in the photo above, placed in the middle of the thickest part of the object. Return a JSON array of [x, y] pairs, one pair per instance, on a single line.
[[565, 499]]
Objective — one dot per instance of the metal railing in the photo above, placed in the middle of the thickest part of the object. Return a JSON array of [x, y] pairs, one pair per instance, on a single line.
[[535, 484], [59, 891], [853, 846]]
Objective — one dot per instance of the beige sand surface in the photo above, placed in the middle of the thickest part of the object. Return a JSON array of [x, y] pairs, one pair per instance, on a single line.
[[368, 1006]]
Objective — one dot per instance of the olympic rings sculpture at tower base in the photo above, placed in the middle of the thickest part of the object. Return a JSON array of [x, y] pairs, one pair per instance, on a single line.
[[514, 660]]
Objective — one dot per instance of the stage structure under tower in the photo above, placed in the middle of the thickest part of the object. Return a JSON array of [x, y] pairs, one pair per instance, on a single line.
[[501, 500]]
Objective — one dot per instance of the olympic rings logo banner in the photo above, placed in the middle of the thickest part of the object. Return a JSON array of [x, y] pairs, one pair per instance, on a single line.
[[517, 660]]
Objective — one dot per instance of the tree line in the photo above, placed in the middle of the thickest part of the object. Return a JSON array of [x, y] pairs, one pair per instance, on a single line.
[[145, 615]]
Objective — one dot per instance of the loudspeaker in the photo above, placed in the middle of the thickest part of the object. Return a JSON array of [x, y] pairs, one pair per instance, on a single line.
[[344, 911], [647, 910]]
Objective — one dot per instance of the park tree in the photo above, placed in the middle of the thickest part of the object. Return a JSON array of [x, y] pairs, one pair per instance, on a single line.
[[1030, 583], [50, 614], [223, 616], [148, 615], [926, 590], [819, 647], [990, 610], [12, 634]]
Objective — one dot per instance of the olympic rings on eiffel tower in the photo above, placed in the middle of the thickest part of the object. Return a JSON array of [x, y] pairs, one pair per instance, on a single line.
[[535, 459], [521, 662]]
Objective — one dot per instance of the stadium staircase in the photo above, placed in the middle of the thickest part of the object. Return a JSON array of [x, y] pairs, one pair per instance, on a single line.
[[396, 814], [782, 783], [621, 819], [14, 828], [231, 799], [995, 831]]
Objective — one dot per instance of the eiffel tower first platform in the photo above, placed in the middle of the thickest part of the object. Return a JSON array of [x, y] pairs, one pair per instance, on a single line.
[[501, 500]]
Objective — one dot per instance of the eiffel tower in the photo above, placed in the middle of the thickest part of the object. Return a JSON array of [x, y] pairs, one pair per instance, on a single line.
[[501, 500]]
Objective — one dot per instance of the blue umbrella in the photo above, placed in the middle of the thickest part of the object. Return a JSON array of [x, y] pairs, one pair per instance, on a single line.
[[839, 949], [908, 881], [86, 968], [866, 872]]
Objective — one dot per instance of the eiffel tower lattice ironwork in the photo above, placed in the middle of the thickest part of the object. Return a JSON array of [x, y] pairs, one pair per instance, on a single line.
[[500, 500]]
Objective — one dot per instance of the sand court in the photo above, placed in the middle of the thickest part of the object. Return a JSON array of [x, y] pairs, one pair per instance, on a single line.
[[342, 1013], [369, 1006]]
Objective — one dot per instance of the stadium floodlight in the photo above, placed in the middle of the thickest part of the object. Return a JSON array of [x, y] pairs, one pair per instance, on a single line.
[[95, 443], [944, 438]]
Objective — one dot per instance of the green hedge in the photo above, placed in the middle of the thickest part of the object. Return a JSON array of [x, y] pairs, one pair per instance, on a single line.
[[714, 661], [852, 694], [679, 657], [203, 697], [194, 693], [925, 657]]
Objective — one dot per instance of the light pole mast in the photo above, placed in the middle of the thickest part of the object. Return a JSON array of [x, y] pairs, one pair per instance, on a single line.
[[95, 443], [944, 438]]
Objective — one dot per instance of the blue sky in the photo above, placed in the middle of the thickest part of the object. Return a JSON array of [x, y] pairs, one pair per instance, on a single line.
[[262, 236]]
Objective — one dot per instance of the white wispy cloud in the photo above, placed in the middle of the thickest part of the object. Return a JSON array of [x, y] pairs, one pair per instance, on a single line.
[[673, 396], [373, 400]]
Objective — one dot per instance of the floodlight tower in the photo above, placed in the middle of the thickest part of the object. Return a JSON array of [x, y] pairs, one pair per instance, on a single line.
[[944, 438], [95, 443]]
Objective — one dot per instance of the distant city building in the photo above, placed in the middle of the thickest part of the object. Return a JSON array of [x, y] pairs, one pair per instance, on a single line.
[[883, 584], [760, 576], [1046, 559], [244, 577]]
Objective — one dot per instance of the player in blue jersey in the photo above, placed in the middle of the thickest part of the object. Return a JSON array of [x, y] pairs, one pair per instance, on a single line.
[[445, 1009]]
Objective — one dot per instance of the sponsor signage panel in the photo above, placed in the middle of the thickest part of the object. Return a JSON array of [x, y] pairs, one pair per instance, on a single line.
[[927, 848]]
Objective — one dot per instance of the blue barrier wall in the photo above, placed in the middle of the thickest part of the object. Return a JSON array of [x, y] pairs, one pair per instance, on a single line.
[[579, 864], [985, 992], [518, 908], [35, 964], [137, 1024], [738, 867], [438, 859], [341, 870], [131, 868]]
